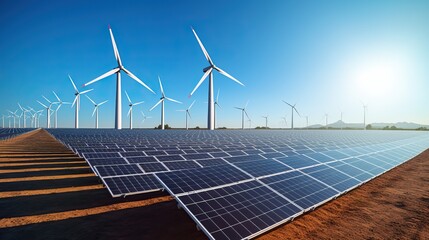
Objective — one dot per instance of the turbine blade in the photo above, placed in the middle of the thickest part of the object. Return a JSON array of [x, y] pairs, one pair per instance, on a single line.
[[206, 54], [160, 86], [170, 99], [287, 103], [189, 114], [90, 99], [246, 114], [129, 100], [181, 110], [115, 48], [228, 76], [86, 91], [59, 100], [74, 86], [297, 111], [217, 96], [58, 108], [156, 104], [142, 113], [138, 103], [239, 108], [131, 108], [102, 103], [95, 108], [201, 80], [20, 107], [247, 103], [191, 105], [137, 79], [111, 72], [218, 105], [46, 99], [40, 104], [75, 99]]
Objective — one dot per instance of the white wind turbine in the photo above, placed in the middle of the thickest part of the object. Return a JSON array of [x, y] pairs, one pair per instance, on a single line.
[[14, 115], [243, 111], [365, 109], [161, 100], [144, 117], [326, 120], [117, 70], [209, 71], [77, 102], [187, 113], [266, 121], [130, 112], [48, 114], [24, 111], [306, 118], [60, 103], [96, 106], [292, 109]]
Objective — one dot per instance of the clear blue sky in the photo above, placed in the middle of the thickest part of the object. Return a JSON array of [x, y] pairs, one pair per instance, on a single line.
[[322, 55]]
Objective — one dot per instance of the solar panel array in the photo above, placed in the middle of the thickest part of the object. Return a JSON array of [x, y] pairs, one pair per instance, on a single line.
[[238, 184], [6, 133]]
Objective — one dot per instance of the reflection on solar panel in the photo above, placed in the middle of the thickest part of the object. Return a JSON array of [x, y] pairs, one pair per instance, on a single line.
[[238, 184]]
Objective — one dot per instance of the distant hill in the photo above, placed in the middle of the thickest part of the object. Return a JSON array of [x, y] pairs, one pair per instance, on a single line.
[[402, 125]]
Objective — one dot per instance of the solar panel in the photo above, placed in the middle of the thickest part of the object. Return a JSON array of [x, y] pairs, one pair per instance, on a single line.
[[196, 179], [239, 211], [153, 167], [332, 177], [117, 170], [179, 165], [264, 167], [303, 190], [298, 161], [133, 184]]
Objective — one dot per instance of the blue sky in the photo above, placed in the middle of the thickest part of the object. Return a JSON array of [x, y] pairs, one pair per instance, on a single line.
[[325, 56]]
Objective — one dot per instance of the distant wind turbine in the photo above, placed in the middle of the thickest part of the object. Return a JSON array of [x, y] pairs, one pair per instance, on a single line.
[[14, 115], [96, 106], [48, 114], [144, 117], [117, 70], [60, 103], [365, 109], [266, 121], [187, 113], [24, 111], [130, 112], [77, 102], [243, 111], [161, 100], [285, 120], [306, 117], [292, 109], [209, 71], [326, 120]]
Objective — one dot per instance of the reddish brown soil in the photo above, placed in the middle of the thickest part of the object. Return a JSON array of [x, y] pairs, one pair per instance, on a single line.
[[47, 192]]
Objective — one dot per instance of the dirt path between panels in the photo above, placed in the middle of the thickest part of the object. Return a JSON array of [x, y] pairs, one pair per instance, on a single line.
[[47, 192]]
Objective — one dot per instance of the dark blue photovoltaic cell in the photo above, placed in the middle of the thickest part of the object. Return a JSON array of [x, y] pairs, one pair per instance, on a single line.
[[107, 161], [181, 165], [197, 156], [141, 159], [320, 157], [170, 158], [350, 170], [262, 167], [102, 155], [332, 177], [117, 170], [196, 179], [299, 188], [153, 167], [377, 162], [298, 161], [273, 155], [243, 158], [131, 184], [336, 155], [238, 211], [211, 162], [133, 154], [367, 167]]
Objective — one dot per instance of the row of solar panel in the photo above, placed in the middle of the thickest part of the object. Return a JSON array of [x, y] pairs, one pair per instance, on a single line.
[[230, 205]]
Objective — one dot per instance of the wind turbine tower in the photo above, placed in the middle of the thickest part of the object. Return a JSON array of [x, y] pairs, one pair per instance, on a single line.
[[243, 111], [293, 108], [162, 100], [77, 102], [130, 112], [117, 70], [208, 71]]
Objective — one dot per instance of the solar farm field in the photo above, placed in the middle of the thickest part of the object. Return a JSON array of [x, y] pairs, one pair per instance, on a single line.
[[240, 184]]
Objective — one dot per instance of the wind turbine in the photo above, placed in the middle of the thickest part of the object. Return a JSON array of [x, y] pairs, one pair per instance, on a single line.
[[130, 112], [144, 117], [326, 120], [292, 108], [187, 113], [77, 102], [14, 117], [2, 117], [96, 106], [243, 111], [341, 118], [60, 103], [209, 71], [24, 111], [161, 100], [48, 114], [266, 121], [365, 108], [117, 70], [285, 120], [306, 117]]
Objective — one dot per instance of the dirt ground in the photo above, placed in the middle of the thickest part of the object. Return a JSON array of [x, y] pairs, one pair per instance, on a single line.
[[47, 192]]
